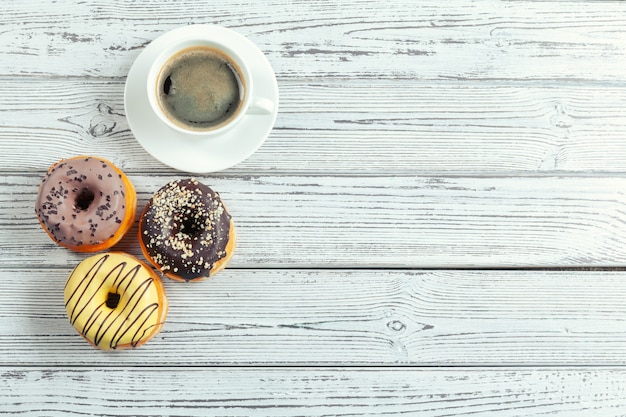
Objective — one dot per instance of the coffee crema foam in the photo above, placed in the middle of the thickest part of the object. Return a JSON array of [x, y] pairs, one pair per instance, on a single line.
[[199, 88]]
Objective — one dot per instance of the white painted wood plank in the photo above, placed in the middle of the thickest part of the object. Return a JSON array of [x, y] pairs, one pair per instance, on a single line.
[[434, 40], [313, 392], [374, 94], [400, 221], [346, 127], [341, 317]]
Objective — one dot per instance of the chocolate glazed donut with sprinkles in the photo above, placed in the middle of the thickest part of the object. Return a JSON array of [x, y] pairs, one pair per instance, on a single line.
[[86, 203], [186, 232]]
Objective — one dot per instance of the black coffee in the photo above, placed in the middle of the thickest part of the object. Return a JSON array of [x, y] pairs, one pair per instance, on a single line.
[[199, 88]]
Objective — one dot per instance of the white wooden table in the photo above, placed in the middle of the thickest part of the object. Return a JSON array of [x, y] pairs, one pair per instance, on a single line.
[[436, 225]]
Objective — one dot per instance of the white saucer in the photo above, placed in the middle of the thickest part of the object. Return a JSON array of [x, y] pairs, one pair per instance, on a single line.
[[187, 152]]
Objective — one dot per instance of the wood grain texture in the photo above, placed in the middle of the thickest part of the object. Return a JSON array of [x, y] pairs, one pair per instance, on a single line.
[[315, 392], [412, 139], [341, 317], [365, 127], [376, 39], [396, 222]]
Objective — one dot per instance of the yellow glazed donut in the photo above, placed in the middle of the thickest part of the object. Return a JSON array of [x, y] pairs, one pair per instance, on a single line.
[[115, 301]]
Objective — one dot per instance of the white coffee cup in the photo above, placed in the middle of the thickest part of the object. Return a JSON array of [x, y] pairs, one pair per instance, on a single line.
[[224, 42]]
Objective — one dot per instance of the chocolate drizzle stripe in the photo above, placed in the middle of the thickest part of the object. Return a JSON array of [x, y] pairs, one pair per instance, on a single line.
[[92, 319], [98, 265], [139, 337], [112, 326], [149, 310], [124, 317], [119, 266], [115, 313]]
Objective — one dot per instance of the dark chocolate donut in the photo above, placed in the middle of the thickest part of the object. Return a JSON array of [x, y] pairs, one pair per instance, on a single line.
[[186, 232]]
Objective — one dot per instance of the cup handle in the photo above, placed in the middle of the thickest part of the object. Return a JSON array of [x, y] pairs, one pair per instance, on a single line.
[[261, 106]]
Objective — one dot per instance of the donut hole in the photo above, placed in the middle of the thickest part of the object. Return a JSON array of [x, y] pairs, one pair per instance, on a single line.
[[190, 227], [113, 299], [84, 199]]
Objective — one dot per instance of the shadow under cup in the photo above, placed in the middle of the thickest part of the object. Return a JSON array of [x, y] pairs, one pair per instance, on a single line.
[[201, 87]]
